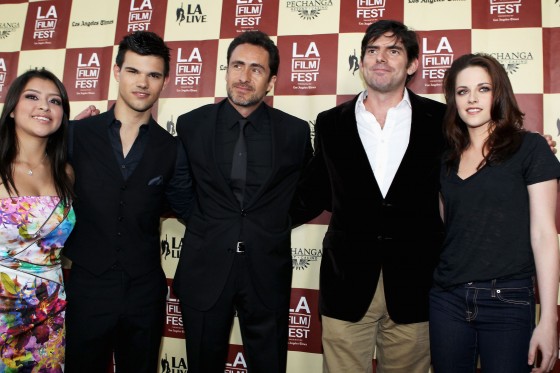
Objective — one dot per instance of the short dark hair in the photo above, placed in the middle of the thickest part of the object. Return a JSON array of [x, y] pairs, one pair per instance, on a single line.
[[400, 31], [56, 145], [144, 43], [260, 39]]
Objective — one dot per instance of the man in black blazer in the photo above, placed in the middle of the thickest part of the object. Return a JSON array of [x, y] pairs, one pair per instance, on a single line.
[[127, 169], [376, 168], [236, 254]]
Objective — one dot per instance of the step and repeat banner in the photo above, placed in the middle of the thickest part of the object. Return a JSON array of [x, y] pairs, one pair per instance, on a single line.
[[319, 42]]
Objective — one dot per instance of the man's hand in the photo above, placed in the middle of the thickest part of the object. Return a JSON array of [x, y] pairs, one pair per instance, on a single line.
[[91, 110], [551, 143]]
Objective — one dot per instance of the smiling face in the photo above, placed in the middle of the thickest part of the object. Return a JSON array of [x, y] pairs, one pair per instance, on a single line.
[[474, 95], [385, 64], [38, 112], [141, 80], [248, 77]]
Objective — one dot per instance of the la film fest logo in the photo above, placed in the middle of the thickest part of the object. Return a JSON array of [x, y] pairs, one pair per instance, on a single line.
[[173, 364], [238, 365], [45, 23], [306, 61], [172, 249], [302, 257], [309, 9], [191, 14], [173, 317], [248, 13], [370, 9], [3, 73], [87, 72], [188, 69], [139, 15], [512, 61], [506, 8], [6, 28], [300, 320], [436, 59]]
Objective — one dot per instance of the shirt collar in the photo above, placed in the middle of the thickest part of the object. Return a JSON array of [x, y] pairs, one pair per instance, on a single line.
[[232, 116], [361, 107]]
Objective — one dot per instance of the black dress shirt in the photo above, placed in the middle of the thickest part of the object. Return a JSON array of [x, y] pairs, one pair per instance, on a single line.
[[258, 137]]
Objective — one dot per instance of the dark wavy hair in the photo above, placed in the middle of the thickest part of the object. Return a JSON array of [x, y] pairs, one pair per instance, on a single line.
[[259, 39], [400, 31], [144, 43], [56, 145], [507, 119]]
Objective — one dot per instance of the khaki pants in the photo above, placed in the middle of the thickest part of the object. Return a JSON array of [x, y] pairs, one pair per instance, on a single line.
[[349, 347]]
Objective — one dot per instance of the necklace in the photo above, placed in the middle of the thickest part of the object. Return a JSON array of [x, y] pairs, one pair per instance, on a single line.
[[31, 169]]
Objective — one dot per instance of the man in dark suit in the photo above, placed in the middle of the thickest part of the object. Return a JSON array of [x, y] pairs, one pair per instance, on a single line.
[[127, 169], [376, 168], [236, 254]]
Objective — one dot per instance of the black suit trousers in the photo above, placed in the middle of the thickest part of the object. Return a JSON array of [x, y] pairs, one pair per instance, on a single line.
[[113, 313], [264, 331]]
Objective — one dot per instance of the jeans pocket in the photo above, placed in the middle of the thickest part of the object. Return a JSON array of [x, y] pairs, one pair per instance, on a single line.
[[520, 295]]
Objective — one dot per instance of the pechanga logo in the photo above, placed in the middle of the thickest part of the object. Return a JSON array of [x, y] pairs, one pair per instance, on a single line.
[[175, 365], [192, 15], [308, 9], [45, 24], [370, 9], [302, 258], [139, 17], [247, 13], [173, 249], [512, 61], [3, 73], [6, 28]]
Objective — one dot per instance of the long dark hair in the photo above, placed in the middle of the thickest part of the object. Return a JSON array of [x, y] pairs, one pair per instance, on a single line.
[[56, 144], [507, 119]]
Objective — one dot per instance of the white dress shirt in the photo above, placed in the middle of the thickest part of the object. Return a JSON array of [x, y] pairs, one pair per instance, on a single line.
[[385, 147]]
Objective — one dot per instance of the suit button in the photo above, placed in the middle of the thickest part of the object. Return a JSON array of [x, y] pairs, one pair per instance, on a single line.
[[123, 187], [119, 234], [379, 238], [121, 218], [243, 213]]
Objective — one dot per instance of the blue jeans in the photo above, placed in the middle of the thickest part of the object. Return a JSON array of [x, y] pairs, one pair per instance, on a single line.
[[491, 320]]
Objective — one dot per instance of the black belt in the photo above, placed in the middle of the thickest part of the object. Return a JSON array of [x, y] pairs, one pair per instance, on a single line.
[[240, 247]]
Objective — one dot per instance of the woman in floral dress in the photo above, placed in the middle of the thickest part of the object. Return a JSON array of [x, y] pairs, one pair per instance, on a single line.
[[36, 217]]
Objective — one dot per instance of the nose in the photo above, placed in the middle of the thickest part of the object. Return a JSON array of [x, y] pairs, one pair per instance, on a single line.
[[472, 98], [44, 105], [380, 57], [142, 81]]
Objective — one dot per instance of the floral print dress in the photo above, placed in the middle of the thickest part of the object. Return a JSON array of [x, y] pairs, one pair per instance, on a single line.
[[32, 298]]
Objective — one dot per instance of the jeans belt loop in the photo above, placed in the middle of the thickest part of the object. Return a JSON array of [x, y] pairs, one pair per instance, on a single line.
[[240, 249]]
